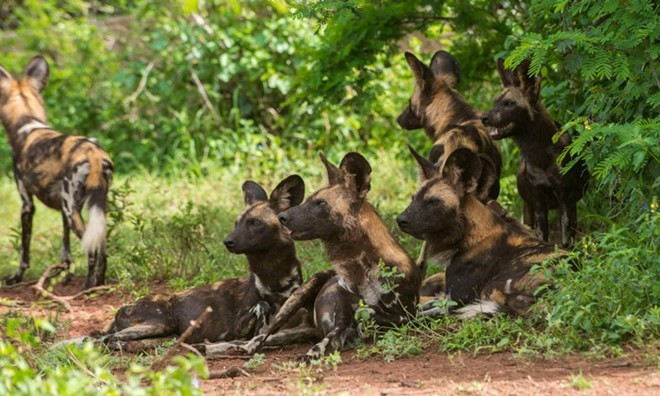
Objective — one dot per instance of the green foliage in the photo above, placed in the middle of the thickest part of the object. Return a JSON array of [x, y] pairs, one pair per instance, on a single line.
[[86, 371]]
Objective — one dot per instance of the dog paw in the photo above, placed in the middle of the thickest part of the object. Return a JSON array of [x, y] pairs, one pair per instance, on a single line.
[[12, 279]]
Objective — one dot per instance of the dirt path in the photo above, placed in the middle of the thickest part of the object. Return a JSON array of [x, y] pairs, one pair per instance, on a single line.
[[428, 374]]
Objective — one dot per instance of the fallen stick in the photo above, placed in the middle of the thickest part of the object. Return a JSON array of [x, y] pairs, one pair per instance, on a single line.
[[194, 324], [63, 300]]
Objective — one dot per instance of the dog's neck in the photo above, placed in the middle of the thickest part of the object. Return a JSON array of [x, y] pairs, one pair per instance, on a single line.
[[447, 109], [363, 245], [276, 268], [481, 223], [536, 137]]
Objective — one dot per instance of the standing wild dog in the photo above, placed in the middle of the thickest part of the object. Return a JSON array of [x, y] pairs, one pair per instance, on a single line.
[[63, 171], [370, 264], [519, 114], [447, 118], [241, 308], [489, 256]]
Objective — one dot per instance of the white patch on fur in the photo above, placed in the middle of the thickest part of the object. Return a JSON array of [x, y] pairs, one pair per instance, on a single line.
[[258, 311], [263, 290], [94, 236], [31, 126], [478, 308], [507, 287], [25, 197]]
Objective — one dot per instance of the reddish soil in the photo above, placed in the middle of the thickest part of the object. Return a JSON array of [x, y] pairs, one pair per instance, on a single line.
[[428, 374]]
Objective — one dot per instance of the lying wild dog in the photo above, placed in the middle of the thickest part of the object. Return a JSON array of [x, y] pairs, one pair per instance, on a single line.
[[370, 264], [519, 114], [449, 121], [63, 171], [489, 256], [241, 308], [447, 118]]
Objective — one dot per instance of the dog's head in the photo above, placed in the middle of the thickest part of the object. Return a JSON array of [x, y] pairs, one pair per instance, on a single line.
[[257, 228], [330, 212], [442, 74], [437, 206], [513, 109], [22, 97]]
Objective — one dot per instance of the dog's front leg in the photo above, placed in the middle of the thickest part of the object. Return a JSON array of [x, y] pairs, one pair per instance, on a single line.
[[540, 216], [27, 213], [568, 220]]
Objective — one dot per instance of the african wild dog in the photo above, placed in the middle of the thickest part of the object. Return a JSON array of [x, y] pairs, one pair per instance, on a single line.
[[361, 250], [63, 171], [489, 256], [519, 114], [448, 120], [241, 308]]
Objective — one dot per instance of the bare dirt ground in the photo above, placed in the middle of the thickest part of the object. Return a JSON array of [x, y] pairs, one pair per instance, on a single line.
[[430, 373]]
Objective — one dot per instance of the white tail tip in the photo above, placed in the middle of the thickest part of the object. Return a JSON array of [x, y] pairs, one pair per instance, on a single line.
[[94, 236], [478, 308]]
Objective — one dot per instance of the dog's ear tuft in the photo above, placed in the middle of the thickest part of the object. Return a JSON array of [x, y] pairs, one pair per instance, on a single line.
[[445, 65], [506, 75], [358, 170], [5, 80], [334, 175], [253, 193], [463, 171], [418, 69], [425, 168], [290, 192], [37, 72]]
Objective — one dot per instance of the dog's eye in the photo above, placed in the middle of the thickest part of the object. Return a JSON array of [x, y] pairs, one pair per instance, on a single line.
[[254, 222], [320, 202], [509, 103], [433, 201]]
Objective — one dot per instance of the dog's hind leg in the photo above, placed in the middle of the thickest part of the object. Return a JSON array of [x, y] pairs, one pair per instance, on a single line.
[[140, 331], [568, 221]]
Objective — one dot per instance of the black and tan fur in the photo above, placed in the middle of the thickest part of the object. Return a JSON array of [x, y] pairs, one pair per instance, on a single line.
[[62, 171], [241, 308], [447, 118], [449, 121], [356, 240], [519, 114], [489, 256]]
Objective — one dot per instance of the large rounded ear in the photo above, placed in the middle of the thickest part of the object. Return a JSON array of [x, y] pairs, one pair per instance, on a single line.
[[506, 75], [334, 175], [253, 193], [425, 168], [417, 68], [445, 65], [290, 192], [37, 73], [463, 170], [355, 165], [531, 86]]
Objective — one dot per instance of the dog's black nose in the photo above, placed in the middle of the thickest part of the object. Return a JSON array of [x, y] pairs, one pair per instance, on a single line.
[[402, 221], [282, 218], [484, 119], [229, 242]]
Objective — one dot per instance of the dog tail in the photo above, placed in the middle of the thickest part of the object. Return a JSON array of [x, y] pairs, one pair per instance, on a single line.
[[96, 187], [479, 307]]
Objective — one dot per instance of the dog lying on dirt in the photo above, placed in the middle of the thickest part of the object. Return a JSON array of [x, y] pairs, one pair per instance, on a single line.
[[63, 171], [241, 308], [369, 264], [518, 113], [490, 256]]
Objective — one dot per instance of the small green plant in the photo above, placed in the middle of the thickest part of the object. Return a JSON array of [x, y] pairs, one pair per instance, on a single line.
[[579, 382], [257, 360]]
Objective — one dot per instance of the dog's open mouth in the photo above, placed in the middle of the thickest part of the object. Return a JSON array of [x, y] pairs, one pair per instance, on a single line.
[[501, 132]]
